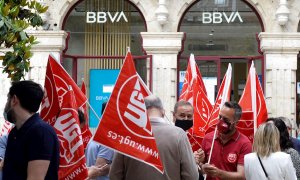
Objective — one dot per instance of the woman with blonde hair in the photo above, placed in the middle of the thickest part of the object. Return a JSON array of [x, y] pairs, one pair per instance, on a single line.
[[267, 161]]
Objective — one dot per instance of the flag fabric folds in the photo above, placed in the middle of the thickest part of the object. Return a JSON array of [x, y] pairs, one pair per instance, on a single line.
[[5, 127], [194, 91], [253, 105], [57, 83], [72, 161], [222, 97], [125, 126], [86, 133], [50, 106], [59, 108]]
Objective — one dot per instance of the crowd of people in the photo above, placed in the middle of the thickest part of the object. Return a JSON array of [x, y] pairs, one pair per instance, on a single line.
[[31, 150]]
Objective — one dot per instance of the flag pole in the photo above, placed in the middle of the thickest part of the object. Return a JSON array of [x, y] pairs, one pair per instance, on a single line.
[[211, 150], [93, 110]]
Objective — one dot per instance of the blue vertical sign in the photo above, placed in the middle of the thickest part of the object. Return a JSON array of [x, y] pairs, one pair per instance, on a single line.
[[102, 83], [181, 81]]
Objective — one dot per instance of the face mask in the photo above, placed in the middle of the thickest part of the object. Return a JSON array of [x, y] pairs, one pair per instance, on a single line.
[[223, 127], [7, 114], [184, 124]]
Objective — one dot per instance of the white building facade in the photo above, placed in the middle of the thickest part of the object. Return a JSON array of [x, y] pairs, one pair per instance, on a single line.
[[89, 34]]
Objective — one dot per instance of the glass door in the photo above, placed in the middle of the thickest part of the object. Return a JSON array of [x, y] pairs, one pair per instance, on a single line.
[[213, 69], [208, 67]]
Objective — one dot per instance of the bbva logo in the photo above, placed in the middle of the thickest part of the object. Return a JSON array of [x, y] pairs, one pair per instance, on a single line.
[[103, 17], [218, 17]]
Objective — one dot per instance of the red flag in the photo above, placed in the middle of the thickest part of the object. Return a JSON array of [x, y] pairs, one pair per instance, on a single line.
[[57, 83], [63, 80], [72, 163], [192, 72], [222, 97], [194, 92], [5, 127], [253, 105], [194, 141], [86, 133], [50, 106], [125, 125]]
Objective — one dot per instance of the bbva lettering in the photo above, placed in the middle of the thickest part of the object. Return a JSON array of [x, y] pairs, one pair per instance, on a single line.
[[102, 17], [217, 17]]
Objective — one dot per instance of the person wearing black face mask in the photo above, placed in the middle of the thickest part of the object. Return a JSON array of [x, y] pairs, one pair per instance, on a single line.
[[8, 113], [183, 117], [229, 148], [173, 146]]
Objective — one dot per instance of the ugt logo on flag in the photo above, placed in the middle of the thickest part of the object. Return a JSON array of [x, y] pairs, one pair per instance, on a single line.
[[134, 114], [125, 126]]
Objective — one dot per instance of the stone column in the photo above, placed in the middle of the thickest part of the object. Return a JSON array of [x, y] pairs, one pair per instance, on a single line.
[[164, 48], [280, 52], [49, 42]]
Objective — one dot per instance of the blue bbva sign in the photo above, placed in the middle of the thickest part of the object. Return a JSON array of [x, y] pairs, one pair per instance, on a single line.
[[102, 83]]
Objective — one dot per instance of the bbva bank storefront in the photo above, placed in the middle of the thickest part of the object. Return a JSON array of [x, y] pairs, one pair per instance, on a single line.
[[90, 37]]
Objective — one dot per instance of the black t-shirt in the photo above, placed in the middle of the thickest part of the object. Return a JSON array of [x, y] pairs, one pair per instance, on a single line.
[[35, 140]]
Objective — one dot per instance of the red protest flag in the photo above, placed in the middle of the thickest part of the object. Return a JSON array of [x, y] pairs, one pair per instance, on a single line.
[[222, 97], [57, 83], [194, 141], [125, 126], [72, 163], [50, 106], [202, 111], [5, 127], [194, 92], [86, 133], [192, 72], [253, 105], [63, 80], [261, 107]]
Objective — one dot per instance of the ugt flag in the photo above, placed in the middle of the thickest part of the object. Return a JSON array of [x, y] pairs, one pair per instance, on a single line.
[[50, 105], [5, 127], [72, 163], [86, 133], [192, 72], [253, 105], [125, 126], [194, 91], [222, 97], [57, 83]]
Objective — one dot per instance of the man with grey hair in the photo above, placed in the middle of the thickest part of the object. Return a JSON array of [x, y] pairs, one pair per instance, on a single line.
[[295, 141], [173, 146]]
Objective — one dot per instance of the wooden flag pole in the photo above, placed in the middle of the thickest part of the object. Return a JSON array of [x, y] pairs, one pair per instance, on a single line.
[[211, 150]]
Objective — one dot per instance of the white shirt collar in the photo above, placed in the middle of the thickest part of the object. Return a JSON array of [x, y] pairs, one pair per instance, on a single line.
[[157, 119]]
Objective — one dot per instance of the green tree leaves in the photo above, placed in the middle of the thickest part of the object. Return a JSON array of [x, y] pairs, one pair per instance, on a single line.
[[15, 17]]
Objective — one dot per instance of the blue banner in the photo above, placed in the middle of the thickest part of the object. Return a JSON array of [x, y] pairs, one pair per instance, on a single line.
[[102, 83]]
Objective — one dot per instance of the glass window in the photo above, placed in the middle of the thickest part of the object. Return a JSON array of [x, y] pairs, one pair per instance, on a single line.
[[103, 28], [220, 27]]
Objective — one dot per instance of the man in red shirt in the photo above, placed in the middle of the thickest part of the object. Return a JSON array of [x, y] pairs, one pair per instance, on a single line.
[[230, 146]]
